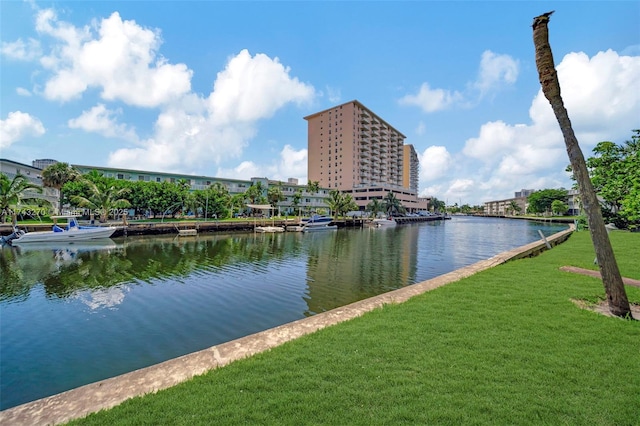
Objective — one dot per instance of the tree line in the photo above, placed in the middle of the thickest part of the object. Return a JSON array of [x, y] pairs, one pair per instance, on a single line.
[[614, 170], [101, 196]]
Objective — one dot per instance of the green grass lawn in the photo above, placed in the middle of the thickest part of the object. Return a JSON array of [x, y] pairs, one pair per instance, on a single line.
[[503, 347]]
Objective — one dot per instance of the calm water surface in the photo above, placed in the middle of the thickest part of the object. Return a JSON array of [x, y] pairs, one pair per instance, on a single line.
[[76, 314]]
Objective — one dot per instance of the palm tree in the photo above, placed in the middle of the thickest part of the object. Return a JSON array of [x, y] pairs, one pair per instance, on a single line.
[[514, 207], [104, 197], [313, 187], [254, 193], [340, 203], [56, 175], [436, 205], [11, 192], [391, 203], [611, 278], [238, 201], [275, 195], [335, 202], [348, 204], [297, 197], [375, 207]]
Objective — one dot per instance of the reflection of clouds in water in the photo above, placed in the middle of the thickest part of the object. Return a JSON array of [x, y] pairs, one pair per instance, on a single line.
[[103, 298], [64, 256]]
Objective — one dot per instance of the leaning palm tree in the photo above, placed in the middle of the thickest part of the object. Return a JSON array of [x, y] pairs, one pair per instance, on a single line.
[[56, 175], [103, 197], [11, 192], [611, 278]]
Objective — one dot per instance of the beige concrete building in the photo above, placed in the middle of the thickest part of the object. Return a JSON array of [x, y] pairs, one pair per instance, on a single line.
[[353, 150], [410, 174], [521, 198], [506, 207]]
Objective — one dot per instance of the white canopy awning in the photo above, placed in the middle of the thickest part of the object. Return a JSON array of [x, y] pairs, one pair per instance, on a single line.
[[260, 206]]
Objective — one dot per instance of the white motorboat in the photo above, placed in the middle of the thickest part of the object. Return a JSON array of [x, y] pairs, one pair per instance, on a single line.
[[317, 223], [390, 221], [72, 232], [316, 220]]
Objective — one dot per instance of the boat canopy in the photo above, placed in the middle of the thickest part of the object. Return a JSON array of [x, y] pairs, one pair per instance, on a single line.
[[261, 206]]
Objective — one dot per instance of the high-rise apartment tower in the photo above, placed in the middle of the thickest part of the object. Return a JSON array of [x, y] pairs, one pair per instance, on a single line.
[[355, 151]]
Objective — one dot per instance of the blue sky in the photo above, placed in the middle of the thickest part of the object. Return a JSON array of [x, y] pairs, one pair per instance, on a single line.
[[221, 88]]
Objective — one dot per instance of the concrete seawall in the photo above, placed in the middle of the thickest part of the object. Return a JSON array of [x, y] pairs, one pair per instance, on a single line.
[[79, 402]]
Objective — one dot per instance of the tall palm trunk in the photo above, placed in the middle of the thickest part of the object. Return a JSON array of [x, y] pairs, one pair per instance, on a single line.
[[611, 278]]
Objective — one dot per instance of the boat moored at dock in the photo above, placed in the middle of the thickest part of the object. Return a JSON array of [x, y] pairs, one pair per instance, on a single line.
[[73, 231]]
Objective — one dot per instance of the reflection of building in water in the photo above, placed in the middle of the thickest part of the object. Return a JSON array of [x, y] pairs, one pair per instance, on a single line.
[[344, 267]]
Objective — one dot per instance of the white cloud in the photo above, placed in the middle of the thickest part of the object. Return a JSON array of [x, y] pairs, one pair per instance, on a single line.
[[245, 170], [22, 51], [431, 100], [18, 125], [633, 50], [199, 132], [23, 92], [433, 190], [291, 163], [103, 121], [602, 105], [334, 95], [118, 57], [495, 71], [459, 190], [254, 88], [435, 161]]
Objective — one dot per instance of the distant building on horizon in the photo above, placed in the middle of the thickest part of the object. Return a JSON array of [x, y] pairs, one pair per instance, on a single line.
[[43, 163], [524, 193], [355, 151]]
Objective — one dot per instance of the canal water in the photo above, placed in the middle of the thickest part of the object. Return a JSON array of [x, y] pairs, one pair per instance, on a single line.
[[75, 314]]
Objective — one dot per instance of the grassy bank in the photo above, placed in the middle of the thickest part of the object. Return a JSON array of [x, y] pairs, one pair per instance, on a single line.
[[506, 346]]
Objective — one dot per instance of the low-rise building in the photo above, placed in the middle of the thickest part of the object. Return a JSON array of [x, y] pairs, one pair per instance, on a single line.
[[34, 175], [308, 202], [506, 207]]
